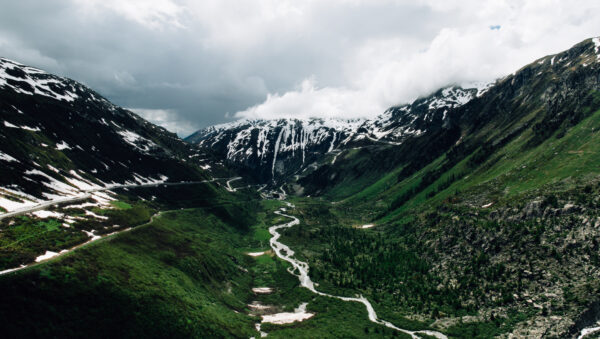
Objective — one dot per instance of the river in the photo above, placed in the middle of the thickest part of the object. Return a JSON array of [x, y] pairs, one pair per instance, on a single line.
[[287, 254]]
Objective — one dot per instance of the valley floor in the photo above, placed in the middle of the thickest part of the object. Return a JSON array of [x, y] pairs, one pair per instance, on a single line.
[[186, 273], [219, 265]]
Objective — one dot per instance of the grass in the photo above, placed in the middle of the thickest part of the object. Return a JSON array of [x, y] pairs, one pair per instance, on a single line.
[[512, 170], [184, 275], [120, 204], [26, 238], [167, 279], [262, 235]]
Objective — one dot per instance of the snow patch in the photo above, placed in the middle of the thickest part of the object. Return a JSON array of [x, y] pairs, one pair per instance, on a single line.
[[262, 290], [43, 214], [8, 124], [94, 215], [299, 314], [10, 205], [6, 157], [137, 140], [92, 235], [255, 254], [596, 42], [49, 255], [32, 81], [62, 145]]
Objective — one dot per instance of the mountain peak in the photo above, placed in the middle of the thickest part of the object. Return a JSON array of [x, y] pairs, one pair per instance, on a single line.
[[32, 81]]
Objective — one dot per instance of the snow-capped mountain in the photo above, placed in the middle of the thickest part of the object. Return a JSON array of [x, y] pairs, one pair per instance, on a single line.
[[59, 139], [272, 149], [400, 122]]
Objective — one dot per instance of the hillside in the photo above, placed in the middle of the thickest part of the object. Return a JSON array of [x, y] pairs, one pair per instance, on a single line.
[[473, 212], [110, 225], [69, 158], [60, 138], [494, 217]]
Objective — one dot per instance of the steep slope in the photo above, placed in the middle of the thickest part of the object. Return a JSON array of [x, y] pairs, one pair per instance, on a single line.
[[59, 138], [273, 150], [270, 149], [549, 95], [496, 226]]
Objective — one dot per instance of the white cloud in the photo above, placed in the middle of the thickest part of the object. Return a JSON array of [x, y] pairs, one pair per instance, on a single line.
[[168, 119], [382, 72], [154, 14], [308, 101]]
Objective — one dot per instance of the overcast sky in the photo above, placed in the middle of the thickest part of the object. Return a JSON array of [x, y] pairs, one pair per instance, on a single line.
[[188, 64]]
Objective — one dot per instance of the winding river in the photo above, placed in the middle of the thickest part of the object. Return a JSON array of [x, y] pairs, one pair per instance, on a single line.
[[285, 253]]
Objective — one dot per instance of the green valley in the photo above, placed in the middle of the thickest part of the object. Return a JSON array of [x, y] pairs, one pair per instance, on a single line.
[[472, 211]]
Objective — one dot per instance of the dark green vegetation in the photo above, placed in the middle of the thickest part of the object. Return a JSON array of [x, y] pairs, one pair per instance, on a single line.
[[180, 275], [23, 238], [163, 280], [184, 275]]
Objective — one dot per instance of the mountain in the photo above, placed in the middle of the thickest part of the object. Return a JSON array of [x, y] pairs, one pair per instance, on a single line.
[[545, 97], [492, 219], [273, 150], [469, 213], [59, 138], [484, 223]]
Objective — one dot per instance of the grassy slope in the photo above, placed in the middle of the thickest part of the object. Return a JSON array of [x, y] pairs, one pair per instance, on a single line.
[[183, 275], [512, 170], [513, 174], [159, 280]]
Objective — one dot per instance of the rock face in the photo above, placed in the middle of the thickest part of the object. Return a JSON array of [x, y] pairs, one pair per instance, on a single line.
[[272, 150]]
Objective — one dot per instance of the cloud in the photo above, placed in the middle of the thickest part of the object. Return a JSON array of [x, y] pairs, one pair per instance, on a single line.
[[155, 14], [212, 61], [387, 71], [21, 52], [168, 119], [308, 101]]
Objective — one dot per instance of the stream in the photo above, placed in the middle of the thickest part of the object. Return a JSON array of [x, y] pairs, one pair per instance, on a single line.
[[285, 253]]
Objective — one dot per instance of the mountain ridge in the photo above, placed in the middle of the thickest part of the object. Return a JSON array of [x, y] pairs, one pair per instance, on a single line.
[[272, 150], [60, 138]]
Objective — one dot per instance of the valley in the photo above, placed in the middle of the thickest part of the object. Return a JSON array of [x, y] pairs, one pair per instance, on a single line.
[[472, 212], [285, 253]]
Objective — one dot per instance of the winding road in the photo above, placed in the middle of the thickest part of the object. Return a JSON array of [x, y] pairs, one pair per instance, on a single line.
[[65, 251], [83, 197], [86, 194], [229, 188], [285, 253]]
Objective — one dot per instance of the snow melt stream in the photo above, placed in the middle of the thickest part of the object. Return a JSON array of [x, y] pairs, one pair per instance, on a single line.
[[285, 253]]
